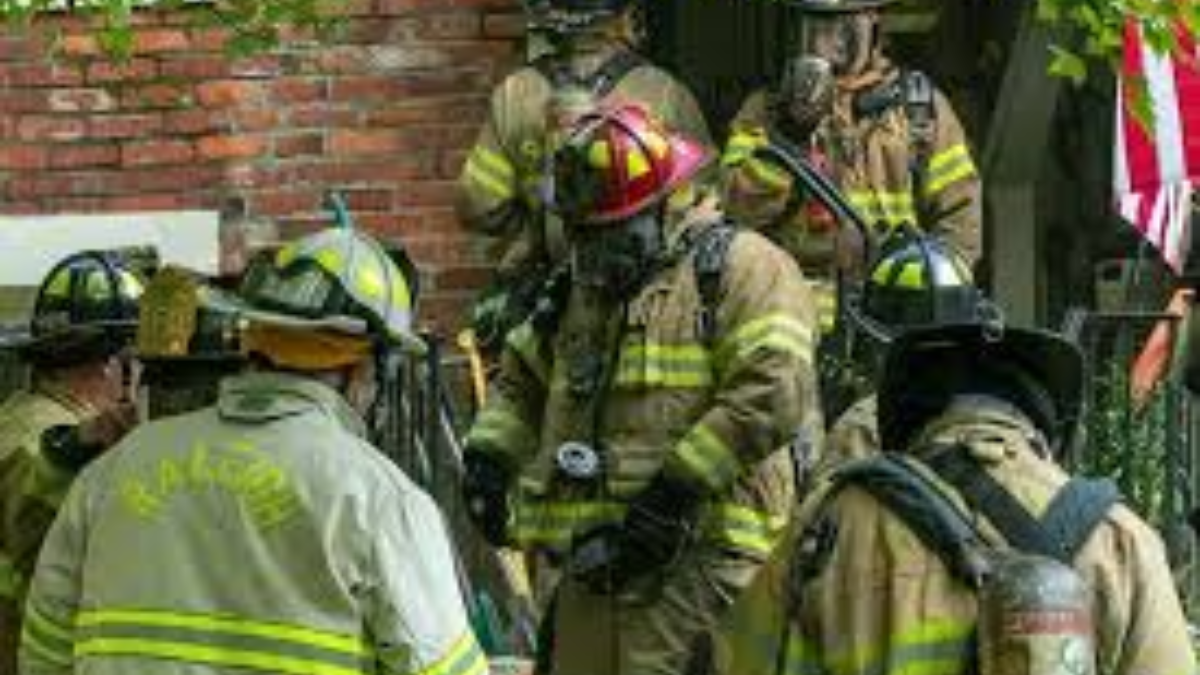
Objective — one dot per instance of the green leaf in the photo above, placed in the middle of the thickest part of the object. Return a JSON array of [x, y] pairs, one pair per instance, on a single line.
[[1067, 64]]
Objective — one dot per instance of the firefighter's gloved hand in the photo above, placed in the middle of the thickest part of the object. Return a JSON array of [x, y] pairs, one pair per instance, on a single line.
[[485, 488], [662, 520]]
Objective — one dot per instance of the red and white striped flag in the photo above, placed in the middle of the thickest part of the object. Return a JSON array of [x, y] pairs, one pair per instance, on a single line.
[[1154, 171]]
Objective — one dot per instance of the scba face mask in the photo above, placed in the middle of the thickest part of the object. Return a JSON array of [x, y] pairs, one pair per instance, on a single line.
[[844, 40], [618, 259]]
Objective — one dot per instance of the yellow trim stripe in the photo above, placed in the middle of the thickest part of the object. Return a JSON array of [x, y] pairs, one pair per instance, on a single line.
[[708, 458], [682, 366], [464, 658], [219, 656], [488, 182], [773, 331], [951, 154], [523, 340], [493, 162], [221, 624]]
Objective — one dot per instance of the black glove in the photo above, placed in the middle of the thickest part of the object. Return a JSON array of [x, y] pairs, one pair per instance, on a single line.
[[485, 487], [660, 524]]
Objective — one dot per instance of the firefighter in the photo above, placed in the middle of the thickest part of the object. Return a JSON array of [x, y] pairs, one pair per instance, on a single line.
[[631, 439], [883, 133], [917, 280], [263, 533], [592, 59], [77, 405], [986, 557]]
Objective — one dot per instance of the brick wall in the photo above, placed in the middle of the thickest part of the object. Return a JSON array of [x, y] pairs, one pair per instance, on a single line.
[[385, 113]]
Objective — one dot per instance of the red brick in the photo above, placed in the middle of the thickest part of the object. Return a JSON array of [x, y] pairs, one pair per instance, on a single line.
[[294, 145], [469, 110], [40, 75], [369, 173], [322, 116], [369, 31], [79, 44], [124, 126], [81, 100], [193, 122], [253, 176], [134, 70], [159, 41], [78, 156], [370, 200], [225, 93], [504, 26], [252, 119], [462, 277], [157, 152], [24, 101], [154, 96], [280, 202], [50, 185], [356, 8], [174, 179], [363, 142], [14, 47], [453, 26], [451, 163], [257, 67], [195, 68], [298, 90], [22, 157], [209, 39], [154, 202], [230, 147], [364, 88], [45, 127], [389, 7], [343, 59], [427, 193]]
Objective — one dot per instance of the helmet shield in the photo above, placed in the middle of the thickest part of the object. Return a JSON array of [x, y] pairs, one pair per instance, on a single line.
[[844, 40]]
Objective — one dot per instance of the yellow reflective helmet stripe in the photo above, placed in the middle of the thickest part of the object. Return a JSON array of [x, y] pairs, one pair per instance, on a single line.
[[708, 458], [948, 167], [463, 658], [636, 164], [912, 276], [599, 155]]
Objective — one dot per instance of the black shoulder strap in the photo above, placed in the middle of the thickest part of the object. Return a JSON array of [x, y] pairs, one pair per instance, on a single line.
[[925, 510], [710, 249], [1076, 510], [600, 83], [1073, 513]]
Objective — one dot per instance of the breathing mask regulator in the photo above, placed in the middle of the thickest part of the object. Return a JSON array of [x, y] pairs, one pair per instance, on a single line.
[[804, 95]]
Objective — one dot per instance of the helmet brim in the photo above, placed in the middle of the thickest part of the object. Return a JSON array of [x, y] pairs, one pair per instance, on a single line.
[[690, 158], [947, 352], [346, 325]]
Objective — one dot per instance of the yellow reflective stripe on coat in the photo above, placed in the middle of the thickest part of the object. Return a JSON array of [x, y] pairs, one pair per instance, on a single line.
[[220, 641], [708, 458], [687, 366], [746, 529], [826, 297], [741, 146], [498, 427], [948, 167], [555, 524], [491, 171], [464, 658], [767, 174], [934, 648], [781, 332], [47, 638], [889, 208]]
